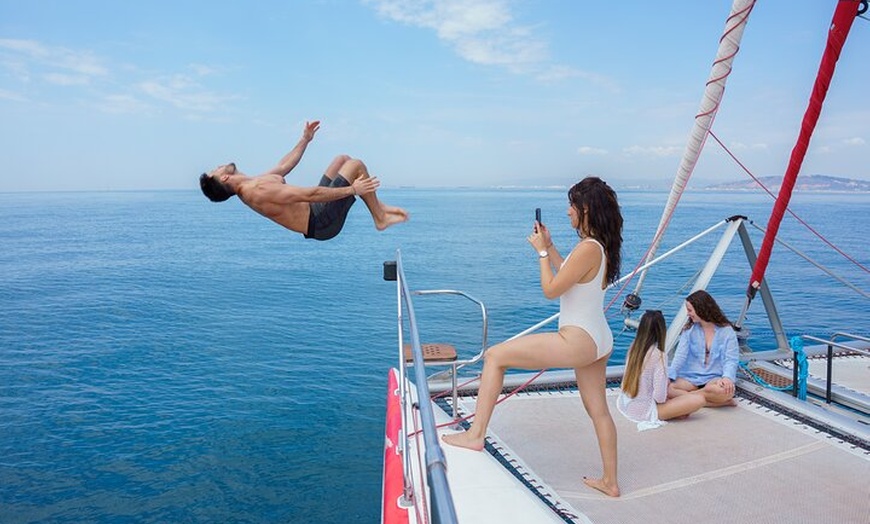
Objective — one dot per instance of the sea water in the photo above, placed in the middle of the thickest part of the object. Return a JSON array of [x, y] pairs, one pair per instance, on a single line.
[[166, 359]]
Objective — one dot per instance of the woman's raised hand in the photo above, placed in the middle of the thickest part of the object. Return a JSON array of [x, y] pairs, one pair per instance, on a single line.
[[540, 237]]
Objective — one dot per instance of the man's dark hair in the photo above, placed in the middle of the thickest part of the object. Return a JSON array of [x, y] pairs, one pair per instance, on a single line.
[[213, 189]]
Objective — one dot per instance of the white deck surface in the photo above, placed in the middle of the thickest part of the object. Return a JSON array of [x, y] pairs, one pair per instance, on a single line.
[[483, 493], [738, 464], [852, 372]]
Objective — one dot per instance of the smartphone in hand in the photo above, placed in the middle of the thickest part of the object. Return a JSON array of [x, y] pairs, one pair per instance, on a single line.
[[537, 217]]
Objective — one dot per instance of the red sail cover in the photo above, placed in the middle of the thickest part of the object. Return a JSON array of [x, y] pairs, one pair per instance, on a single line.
[[845, 13]]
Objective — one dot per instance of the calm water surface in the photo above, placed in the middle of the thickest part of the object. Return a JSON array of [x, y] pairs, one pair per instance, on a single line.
[[165, 359]]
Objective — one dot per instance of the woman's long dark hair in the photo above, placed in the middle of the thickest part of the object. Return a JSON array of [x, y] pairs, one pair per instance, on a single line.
[[706, 308], [595, 199], [651, 332]]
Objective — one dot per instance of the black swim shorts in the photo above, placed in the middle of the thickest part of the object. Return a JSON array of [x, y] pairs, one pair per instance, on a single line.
[[326, 219]]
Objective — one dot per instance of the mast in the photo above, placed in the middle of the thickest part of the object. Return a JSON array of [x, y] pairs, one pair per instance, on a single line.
[[844, 15], [729, 45]]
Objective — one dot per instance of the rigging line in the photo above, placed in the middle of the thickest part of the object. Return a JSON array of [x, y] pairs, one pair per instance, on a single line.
[[621, 332], [644, 260], [759, 380], [499, 401], [813, 262], [641, 261], [458, 387], [792, 213], [669, 299], [679, 295]]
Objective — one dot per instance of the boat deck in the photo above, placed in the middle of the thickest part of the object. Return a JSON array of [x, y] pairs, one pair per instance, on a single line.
[[851, 372], [736, 464]]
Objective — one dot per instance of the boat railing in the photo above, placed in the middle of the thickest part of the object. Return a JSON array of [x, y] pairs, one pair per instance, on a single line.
[[442, 506], [832, 343], [457, 364]]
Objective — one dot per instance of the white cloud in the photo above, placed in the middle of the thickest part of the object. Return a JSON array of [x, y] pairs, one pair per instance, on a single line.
[[28, 47], [62, 79], [9, 95], [81, 63], [590, 151], [480, 31], [655, 151], [123, 104], [202, 70], [29, 61], [184, 93], [16, 67], [558, 73], [838, 146], [485, 32], [741, 146]]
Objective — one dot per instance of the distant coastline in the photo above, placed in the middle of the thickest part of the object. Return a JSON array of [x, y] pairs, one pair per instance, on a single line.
[[807, 183]]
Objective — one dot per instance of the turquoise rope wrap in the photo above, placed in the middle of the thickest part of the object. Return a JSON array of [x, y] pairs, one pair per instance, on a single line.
[[797, 345], [745, 367]]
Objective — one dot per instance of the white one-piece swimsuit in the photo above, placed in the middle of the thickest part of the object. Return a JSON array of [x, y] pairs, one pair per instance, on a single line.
[[583, 306]]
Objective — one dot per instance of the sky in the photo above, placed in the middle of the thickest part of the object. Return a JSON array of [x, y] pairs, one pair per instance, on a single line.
[[108, 95]]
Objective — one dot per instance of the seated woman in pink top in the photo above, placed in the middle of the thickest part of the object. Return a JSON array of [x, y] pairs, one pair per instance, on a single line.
[[644, 395]]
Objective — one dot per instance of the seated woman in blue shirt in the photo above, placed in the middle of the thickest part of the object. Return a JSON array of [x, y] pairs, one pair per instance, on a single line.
[[707, 355]]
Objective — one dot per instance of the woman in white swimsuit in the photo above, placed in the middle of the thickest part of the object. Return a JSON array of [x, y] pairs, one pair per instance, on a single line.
[[584, 340]]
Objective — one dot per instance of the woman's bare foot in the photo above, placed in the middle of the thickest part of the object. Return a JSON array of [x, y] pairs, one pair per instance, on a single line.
[[463, 440], [728, 403], [392, 215], [603, 487]]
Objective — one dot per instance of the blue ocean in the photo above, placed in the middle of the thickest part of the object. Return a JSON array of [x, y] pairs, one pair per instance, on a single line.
[[167, 359]]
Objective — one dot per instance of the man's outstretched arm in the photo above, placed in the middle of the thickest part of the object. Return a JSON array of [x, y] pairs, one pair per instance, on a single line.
[[291, 194], [291, 159]]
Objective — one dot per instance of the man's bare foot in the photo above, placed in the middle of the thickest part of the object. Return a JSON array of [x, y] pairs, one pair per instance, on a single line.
[[463, 440], [391, 216], [393, 209], [603, 487]]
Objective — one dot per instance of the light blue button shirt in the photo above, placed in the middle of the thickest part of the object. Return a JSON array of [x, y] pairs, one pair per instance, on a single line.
[[688, 362]]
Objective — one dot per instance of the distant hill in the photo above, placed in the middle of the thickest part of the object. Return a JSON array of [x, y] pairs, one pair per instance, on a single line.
[[804, 183]]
